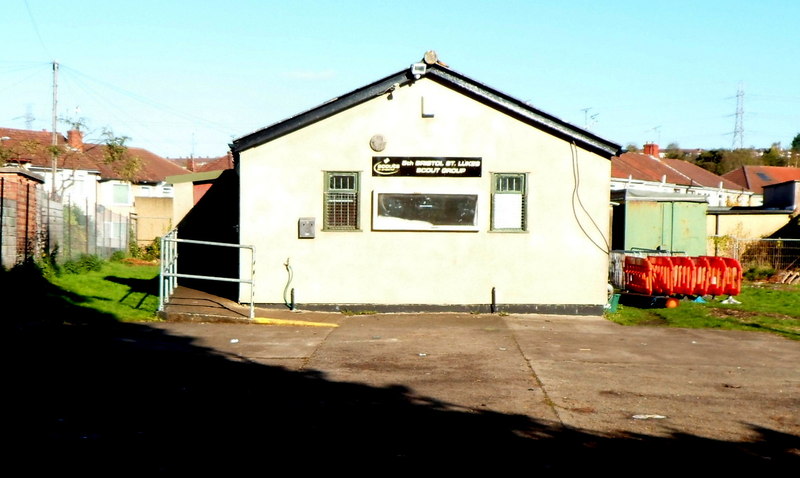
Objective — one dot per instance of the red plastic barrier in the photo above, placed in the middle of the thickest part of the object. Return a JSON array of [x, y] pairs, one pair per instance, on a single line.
[[638, 275], [685, 275], [716, 276], [669, 275], [663, 274], [701, 269], [733, 276]]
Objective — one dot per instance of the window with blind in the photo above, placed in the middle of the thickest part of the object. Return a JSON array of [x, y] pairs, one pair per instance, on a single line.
[[509, 194], [341, 201]]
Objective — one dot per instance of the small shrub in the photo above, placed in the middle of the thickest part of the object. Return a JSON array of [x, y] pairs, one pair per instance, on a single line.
[[118, 256], [48, 265], [85, 263], [758, 273], [152, 251]]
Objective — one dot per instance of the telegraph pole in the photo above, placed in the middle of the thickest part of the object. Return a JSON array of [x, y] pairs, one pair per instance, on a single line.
[[55, 135]]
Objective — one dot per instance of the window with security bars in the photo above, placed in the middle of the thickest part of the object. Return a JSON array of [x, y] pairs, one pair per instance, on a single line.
[[341, 201], [509, 194]]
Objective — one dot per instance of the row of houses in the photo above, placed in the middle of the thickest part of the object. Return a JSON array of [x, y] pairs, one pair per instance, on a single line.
[[84, 197], [428, 190], [676, 206]]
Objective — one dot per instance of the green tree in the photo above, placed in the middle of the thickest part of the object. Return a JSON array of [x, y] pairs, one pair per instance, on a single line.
[[6, 154], [118, 156], [736, 158], [710, 160], [632, 148], [673, 151], [795, 151], [774, 156]]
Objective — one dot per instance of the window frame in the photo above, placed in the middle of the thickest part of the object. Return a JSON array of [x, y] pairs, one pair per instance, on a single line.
[[354, 191], [117, 186], [497, 190], [388, 222]]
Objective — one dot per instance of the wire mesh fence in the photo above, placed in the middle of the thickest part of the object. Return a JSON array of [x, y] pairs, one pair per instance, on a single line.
[[777, 254], [70, 230]]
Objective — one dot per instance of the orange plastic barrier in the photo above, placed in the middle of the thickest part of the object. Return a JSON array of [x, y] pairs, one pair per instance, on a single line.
[[716, 276], [638, 275], [725, 276], [685, 272], [663, 275], [670, 275], [701, 275], [733, 281]]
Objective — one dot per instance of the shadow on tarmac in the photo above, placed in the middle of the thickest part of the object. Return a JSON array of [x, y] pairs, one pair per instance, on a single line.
[[87, 394]]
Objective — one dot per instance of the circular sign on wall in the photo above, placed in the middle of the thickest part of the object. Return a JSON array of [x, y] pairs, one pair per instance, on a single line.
[[377, 142]]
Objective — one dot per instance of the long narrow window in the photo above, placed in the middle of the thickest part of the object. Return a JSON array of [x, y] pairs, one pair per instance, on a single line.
[[509, 194], [341, 201], [425, 212]]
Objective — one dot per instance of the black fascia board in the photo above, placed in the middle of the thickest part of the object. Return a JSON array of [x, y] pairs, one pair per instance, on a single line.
[[321, 112], [523, 111], [449, 78]]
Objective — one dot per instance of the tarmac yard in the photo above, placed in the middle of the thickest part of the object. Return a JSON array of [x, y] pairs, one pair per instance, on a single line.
[[409, 393]]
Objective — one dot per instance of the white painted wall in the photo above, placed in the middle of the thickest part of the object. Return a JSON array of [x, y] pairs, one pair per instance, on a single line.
[[554, 262]]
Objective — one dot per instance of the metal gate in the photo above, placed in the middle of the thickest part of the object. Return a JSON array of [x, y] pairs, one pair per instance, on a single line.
[[169, 275]]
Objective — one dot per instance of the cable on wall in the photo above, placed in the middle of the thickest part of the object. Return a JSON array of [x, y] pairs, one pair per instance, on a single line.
[[576, 197]]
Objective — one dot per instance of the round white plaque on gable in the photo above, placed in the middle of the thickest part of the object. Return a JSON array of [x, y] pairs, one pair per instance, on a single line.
[[377, 143]]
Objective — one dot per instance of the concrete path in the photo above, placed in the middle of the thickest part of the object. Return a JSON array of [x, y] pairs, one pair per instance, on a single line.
[[584, 373]]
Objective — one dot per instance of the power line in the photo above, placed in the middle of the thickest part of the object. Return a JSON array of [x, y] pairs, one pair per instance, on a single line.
[[36, 29]]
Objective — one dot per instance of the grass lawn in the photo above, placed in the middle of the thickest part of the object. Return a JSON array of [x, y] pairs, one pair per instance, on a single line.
[[764, 307], [125, 291], [129, 292]]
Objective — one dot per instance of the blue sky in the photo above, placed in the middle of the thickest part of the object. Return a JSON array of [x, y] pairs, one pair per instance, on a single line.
[[184, 78]]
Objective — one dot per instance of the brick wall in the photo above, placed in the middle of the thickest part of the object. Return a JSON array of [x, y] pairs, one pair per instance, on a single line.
[[19, 226]]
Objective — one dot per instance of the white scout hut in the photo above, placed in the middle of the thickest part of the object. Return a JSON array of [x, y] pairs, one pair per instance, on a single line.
[[425, 191]]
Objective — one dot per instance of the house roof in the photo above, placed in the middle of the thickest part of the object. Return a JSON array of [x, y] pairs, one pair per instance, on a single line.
[[756, 177], [206, 172], [154, 168], [217, 164], [442, 74], [192, 163], [645, 167], [32, 148]]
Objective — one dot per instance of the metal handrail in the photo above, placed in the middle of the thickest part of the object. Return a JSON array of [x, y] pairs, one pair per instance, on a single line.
[[169, 267]]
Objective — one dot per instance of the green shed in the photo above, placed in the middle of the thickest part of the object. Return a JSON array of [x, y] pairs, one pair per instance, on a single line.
[[649, 220]]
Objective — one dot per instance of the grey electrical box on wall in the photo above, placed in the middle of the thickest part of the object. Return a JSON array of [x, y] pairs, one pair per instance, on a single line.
[[305, 228]]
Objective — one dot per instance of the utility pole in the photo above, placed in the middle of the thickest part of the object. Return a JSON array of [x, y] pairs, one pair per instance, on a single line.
[[738, 131], [55, 135]]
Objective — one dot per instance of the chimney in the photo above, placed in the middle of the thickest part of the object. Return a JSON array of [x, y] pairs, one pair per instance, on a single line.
[[75, 139], [651, 149]]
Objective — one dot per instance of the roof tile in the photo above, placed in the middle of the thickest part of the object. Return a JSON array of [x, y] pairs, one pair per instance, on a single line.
[[33, 147]]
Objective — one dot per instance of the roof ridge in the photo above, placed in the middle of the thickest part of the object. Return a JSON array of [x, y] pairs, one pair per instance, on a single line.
[[680, 173]]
